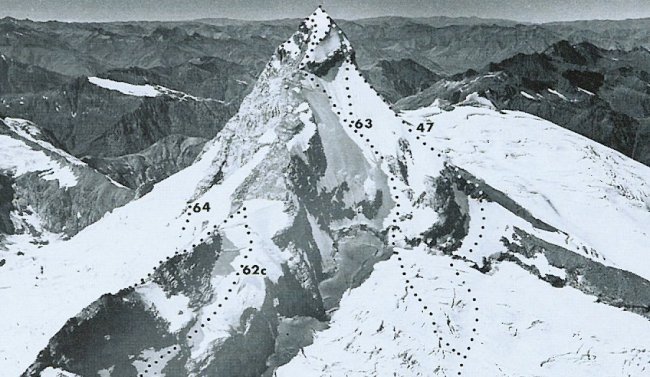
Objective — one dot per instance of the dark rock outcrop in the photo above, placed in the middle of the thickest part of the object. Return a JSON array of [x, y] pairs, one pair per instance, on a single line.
[[164, 158], [62, 208]]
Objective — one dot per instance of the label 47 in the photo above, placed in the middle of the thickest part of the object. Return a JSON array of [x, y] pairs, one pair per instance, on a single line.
[[421, 126]]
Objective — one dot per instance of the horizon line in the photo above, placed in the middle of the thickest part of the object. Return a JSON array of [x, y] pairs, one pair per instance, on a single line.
[[336, 18]]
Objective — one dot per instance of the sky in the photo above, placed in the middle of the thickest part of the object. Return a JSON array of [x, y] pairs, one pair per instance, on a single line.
[[127, 10]]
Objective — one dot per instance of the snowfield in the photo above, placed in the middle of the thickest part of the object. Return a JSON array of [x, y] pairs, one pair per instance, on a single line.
[[145, 90], [125, 88], [422, 311], [525, 328], [17, 157], [111, 254], [598, 196]]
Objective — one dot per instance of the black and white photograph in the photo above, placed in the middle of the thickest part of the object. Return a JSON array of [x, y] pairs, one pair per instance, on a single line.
[[414, 188]]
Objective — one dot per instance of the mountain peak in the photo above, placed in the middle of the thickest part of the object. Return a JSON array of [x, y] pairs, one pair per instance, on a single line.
[[318, 44], [319, 20]]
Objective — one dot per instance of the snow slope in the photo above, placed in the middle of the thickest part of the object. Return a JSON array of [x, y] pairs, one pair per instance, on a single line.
[[525, 328], [105, 257], [17, 157], [598, 196], [409, 244]]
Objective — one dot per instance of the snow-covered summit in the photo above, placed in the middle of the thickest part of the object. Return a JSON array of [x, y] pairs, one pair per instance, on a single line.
[[317, 41], [311, 81]]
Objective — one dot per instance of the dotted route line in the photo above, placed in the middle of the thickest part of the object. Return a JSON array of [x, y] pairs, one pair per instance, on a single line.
[[395, 231], [210, 233]]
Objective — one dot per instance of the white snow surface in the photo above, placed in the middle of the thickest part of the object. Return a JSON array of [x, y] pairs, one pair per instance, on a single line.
[[558, 94], [56, 372], [30, 131], [146, 90], [585, 91], [126, 88], [598, 196], [17, 157], [526, 95], [151, 362], [174, 309], [474, 99], [525, 327]]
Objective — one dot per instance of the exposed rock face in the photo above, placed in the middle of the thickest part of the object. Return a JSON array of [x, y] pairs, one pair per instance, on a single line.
[[17, 77], [113, 322], [41, 180], [122, 123], [600, 94], [157, 162], [6, 206], [611, 285], [69, 210]]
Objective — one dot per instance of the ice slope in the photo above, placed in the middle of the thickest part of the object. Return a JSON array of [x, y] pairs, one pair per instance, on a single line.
[[312, 100]]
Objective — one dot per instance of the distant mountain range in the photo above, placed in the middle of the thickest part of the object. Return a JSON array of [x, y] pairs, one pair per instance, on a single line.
[[601, 94], [588, 76]]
